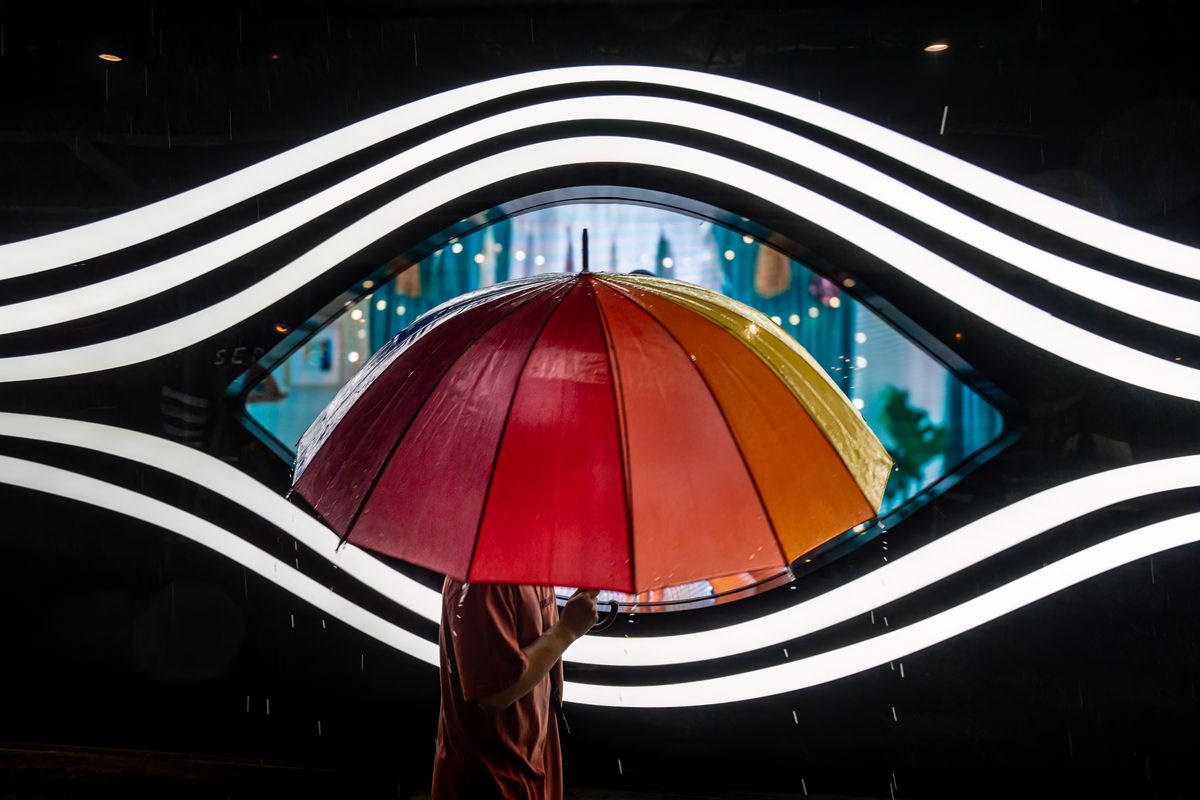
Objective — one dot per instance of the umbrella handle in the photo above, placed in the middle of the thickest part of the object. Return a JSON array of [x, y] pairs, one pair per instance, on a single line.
[[609, 618]]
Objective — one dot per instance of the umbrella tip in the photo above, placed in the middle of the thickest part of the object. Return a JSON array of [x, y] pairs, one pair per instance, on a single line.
[[585, 251]]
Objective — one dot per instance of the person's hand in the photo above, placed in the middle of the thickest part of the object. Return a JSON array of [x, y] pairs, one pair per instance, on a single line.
[[579, 614]]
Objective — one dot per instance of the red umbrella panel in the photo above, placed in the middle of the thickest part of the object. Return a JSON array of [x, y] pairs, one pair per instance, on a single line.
[[608, 431]]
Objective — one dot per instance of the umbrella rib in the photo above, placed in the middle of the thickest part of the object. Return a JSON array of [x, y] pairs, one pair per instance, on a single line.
[[362, 504], [620, 292], [622, 438], [831, 428], [419, 327], [487, 493]]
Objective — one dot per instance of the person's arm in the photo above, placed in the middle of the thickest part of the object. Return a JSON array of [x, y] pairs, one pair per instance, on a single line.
[[578, 616]]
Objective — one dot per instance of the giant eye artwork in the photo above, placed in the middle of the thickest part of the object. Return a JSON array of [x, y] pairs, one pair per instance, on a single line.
[[864, 245]]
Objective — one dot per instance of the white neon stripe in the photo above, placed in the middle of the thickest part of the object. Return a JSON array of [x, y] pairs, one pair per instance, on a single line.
[[951, 553], [139, 225], [792, 676], [51, 480], [236, 486], [1152, 305], [106, 236], [833, 664], [1011, 314]]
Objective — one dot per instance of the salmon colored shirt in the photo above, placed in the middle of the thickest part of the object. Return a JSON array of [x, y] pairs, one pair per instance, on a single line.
[[513, 754]]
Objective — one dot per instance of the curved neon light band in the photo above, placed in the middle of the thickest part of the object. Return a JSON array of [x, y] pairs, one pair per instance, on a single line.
[[952, 553], [108, 235], [833, 664], [51, 480], [792, 676], [1013, 315], [234, 485], [1152, 305]]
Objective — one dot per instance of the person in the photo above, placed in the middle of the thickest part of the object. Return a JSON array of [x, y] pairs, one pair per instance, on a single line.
[[501, 675]]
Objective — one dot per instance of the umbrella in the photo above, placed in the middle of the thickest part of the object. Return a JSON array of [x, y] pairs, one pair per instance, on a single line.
[[602, 430]]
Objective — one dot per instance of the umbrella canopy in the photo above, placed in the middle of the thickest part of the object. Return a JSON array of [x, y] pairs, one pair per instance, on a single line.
[[592, 429]]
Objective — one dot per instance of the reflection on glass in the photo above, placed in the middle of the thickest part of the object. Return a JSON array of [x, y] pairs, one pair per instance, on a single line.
[[927, 418]]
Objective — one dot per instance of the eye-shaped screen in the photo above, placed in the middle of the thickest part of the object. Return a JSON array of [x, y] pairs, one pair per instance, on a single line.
[[929, 420]]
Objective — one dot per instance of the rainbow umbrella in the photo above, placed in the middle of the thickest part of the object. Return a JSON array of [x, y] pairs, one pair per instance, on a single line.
[[592, 429]]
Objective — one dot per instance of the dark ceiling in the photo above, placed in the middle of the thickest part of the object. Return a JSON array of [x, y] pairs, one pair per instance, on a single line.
[[1095, 102]]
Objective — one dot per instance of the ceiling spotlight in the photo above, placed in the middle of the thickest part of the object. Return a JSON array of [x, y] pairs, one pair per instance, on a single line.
[[936, 47], [109, 57]]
